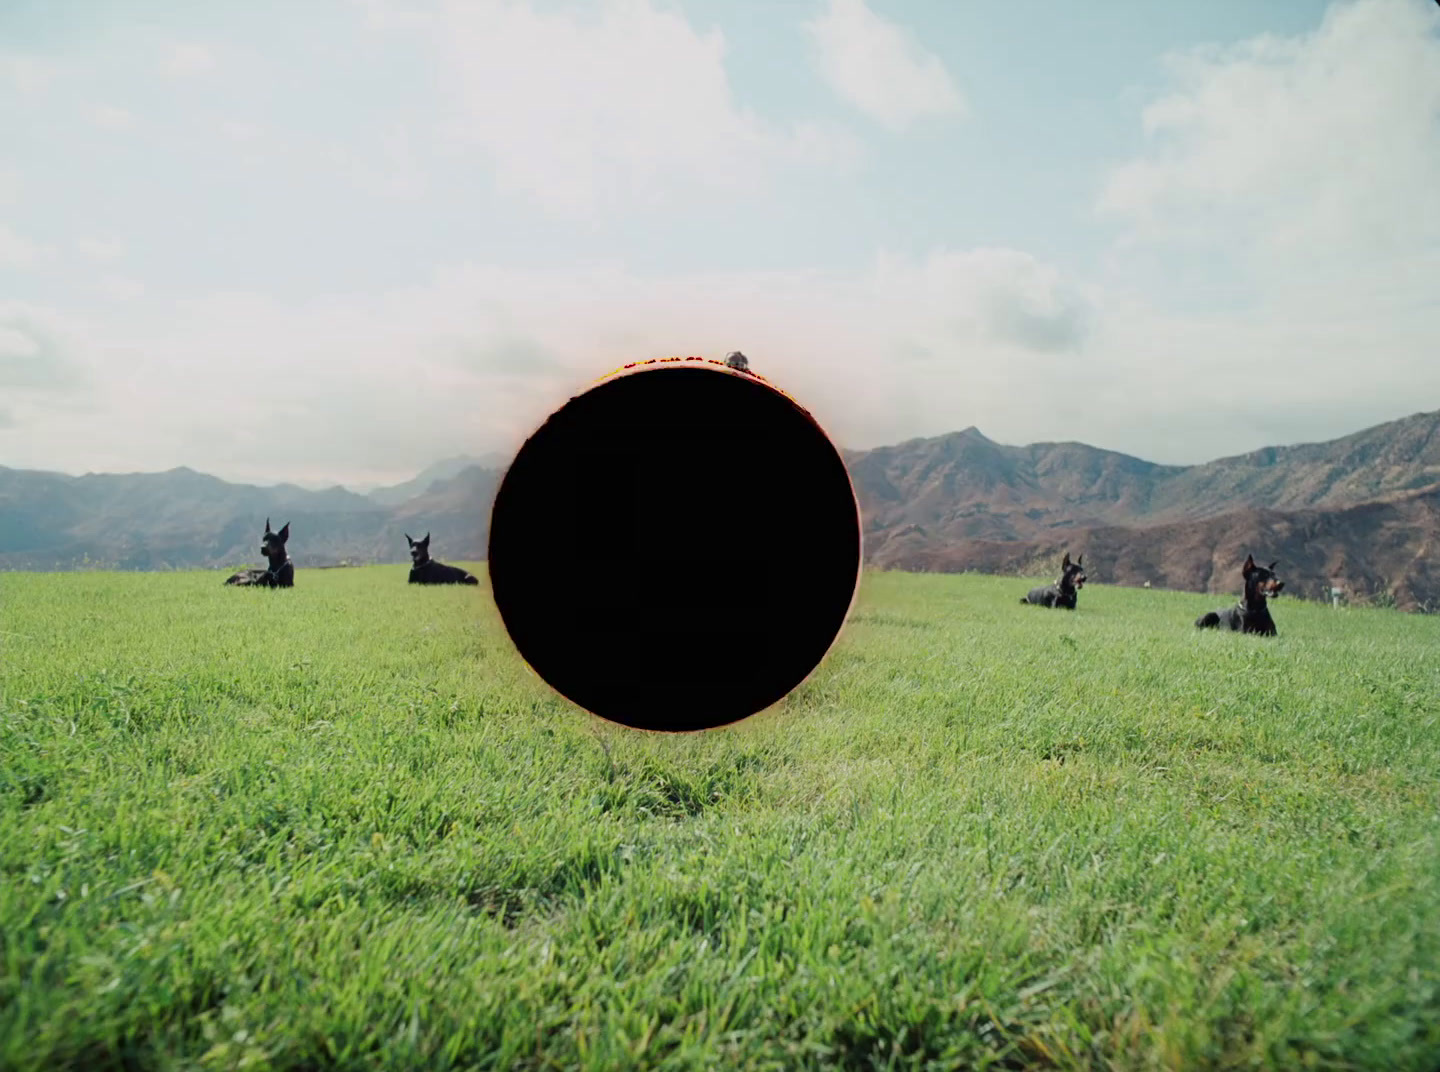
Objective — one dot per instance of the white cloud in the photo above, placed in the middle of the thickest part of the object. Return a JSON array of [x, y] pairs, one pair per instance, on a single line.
[[39, 350], [188, 58], [121, 288], [109, 117], [16, 346], [387, 15], [30, 75], [18, 252], [252, 144], [100, 250], [1319, 153], [879, 68], [999, 297], [1304, 169], [390, 168], [475, 359], [241, 132], [628, 108]]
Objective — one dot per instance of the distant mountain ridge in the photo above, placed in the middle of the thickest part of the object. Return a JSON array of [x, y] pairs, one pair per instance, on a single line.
[[1383, 548], [1360, 510], [181, 519], [962, 501], [969, 487], [441, 470]]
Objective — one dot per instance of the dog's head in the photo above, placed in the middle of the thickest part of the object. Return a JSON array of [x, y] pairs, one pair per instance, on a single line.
[[419, 549], [1072, 574], [272, 544], [736, 360], [1262, 578]]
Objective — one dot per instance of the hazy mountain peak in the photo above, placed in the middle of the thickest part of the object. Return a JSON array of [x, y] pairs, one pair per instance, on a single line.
[[953, 501], [445, 469]]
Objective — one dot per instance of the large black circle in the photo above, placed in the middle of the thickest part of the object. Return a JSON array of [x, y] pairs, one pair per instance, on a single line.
[[676, 548]]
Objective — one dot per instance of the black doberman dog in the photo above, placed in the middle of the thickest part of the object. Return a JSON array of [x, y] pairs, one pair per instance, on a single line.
[[1064, 592], [736, 360], [427, 571], [1251, 614], [281, 572]]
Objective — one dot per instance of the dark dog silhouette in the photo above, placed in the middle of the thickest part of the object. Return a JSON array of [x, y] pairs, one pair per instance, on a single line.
[[1065, 591], [1251, 614], [427, 571], [736, 360], [281, 572]]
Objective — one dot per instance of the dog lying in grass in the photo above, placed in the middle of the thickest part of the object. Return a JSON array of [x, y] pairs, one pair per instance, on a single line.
[[1064, 592], [427, 571], [281, 571], [1252, 613]]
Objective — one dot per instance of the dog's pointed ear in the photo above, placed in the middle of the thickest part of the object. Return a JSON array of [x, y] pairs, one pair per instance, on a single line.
[[426, 541], [1272, 565], [267, 524], [284, 532], [1080, 559], [1249, 564], [409, 540], [1065, 562]]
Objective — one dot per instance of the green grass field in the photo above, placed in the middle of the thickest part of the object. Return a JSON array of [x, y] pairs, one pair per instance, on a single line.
[[344, 827]]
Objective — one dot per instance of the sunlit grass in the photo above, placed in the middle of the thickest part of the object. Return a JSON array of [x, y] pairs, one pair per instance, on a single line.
[[344, 826]]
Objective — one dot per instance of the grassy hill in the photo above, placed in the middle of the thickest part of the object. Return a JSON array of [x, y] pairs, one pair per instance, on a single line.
[[343, 826]]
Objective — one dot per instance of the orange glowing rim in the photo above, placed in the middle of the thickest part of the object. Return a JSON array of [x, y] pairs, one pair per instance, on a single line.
[[652, 361]]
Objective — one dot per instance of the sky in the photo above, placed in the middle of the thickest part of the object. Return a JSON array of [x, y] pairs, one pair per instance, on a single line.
[[334, 242]]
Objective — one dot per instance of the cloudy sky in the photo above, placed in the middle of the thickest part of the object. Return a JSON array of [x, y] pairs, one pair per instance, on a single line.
[[338, 240]]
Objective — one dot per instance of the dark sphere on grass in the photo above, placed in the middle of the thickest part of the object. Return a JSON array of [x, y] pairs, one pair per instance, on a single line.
[[677, 548]]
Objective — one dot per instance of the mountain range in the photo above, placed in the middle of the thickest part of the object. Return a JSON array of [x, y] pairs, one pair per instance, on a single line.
[[1361, 512], [181, 519]]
